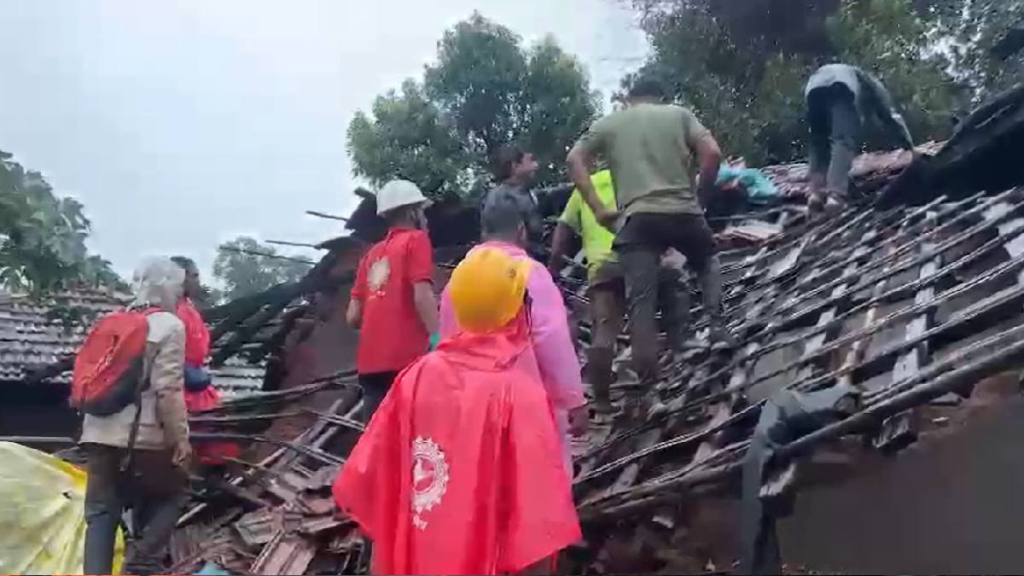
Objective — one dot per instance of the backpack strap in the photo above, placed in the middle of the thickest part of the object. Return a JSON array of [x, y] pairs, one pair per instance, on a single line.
[[129, 463]]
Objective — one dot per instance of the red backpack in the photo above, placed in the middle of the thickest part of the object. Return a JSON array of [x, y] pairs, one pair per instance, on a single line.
[[109, 365]]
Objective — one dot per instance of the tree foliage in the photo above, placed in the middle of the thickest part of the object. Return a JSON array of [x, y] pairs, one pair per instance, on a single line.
[[557, 107], [970, 31], [742, 64], [750, 99], [485, 90], [889, 39], [246, 267], [42, 237], [478, 80], [408, 137]]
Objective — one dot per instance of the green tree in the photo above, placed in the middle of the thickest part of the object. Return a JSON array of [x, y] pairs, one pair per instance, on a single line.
[[247, 267], [751, 100], [742, 65], [408, 137], [970, 32], [485, 90], [478, 80], [558, 106], [42, 237], [889, 39]]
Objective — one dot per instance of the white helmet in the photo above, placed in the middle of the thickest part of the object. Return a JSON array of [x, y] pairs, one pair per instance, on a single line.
[[398, 193]]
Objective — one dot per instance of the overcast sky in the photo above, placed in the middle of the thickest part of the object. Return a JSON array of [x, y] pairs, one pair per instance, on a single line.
[[183, 123]]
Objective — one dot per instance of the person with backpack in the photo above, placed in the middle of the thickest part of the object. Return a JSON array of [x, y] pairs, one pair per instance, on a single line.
[[128, 381], [392, 302]]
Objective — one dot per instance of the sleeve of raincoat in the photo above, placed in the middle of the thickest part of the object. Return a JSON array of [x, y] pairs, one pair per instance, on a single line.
[[552, 343], [540, 518]]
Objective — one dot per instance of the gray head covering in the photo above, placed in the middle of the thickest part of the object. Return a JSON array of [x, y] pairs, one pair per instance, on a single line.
[[504, 210], [158, 282]]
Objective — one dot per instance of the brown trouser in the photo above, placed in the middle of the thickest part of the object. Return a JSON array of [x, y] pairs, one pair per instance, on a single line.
[[155, 492], [640, 245], [607, 312]]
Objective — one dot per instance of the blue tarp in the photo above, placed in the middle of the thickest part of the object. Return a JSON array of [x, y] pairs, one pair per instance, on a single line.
[[759, 188]]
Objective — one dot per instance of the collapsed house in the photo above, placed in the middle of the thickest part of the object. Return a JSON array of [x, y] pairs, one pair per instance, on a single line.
[[884, 331], [901, 312]]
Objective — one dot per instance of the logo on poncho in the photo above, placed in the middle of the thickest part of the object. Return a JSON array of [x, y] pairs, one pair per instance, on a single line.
[[429, 478]]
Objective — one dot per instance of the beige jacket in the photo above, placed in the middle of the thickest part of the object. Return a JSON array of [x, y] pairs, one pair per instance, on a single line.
[[164, 420]]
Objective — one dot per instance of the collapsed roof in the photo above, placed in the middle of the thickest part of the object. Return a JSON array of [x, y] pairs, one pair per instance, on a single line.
[[905, 302], [905, 306]]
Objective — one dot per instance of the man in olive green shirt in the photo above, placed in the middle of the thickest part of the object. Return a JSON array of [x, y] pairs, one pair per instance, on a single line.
[[652, 149], [606, 287]]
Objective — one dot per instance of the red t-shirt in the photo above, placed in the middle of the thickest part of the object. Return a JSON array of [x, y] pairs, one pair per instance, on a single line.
[[392, 334]]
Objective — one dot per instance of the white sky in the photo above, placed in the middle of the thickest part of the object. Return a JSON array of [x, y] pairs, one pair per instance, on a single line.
[[183, 123]]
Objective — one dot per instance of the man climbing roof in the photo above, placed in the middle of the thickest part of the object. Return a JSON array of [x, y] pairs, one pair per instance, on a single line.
[[839, 99], [138, 457], [652, 148], [515, 170], [607, 287], [200, 394]]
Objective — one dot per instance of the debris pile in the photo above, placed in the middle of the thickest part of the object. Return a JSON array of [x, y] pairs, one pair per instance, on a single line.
[[906, 307], [276, 515], [903, 306]]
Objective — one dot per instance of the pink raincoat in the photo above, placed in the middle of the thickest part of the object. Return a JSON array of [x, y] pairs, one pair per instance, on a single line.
[[557, 363]]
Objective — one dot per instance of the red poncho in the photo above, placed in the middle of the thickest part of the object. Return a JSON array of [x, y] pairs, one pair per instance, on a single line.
[[460, 470]]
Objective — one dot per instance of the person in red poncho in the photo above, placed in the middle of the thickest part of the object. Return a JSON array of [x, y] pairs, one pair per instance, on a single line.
[[460, 470], [200, 395]]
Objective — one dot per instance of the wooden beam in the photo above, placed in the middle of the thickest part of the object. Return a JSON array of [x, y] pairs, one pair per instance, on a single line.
[[297, 244], [327, 216], [266, 255]]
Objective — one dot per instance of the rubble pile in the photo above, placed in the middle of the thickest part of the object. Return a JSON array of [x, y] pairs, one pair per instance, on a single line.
[[870, 172], [905, 307], [276, 515]]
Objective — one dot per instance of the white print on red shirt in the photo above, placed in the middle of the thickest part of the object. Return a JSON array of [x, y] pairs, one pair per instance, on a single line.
[[378, 275]]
